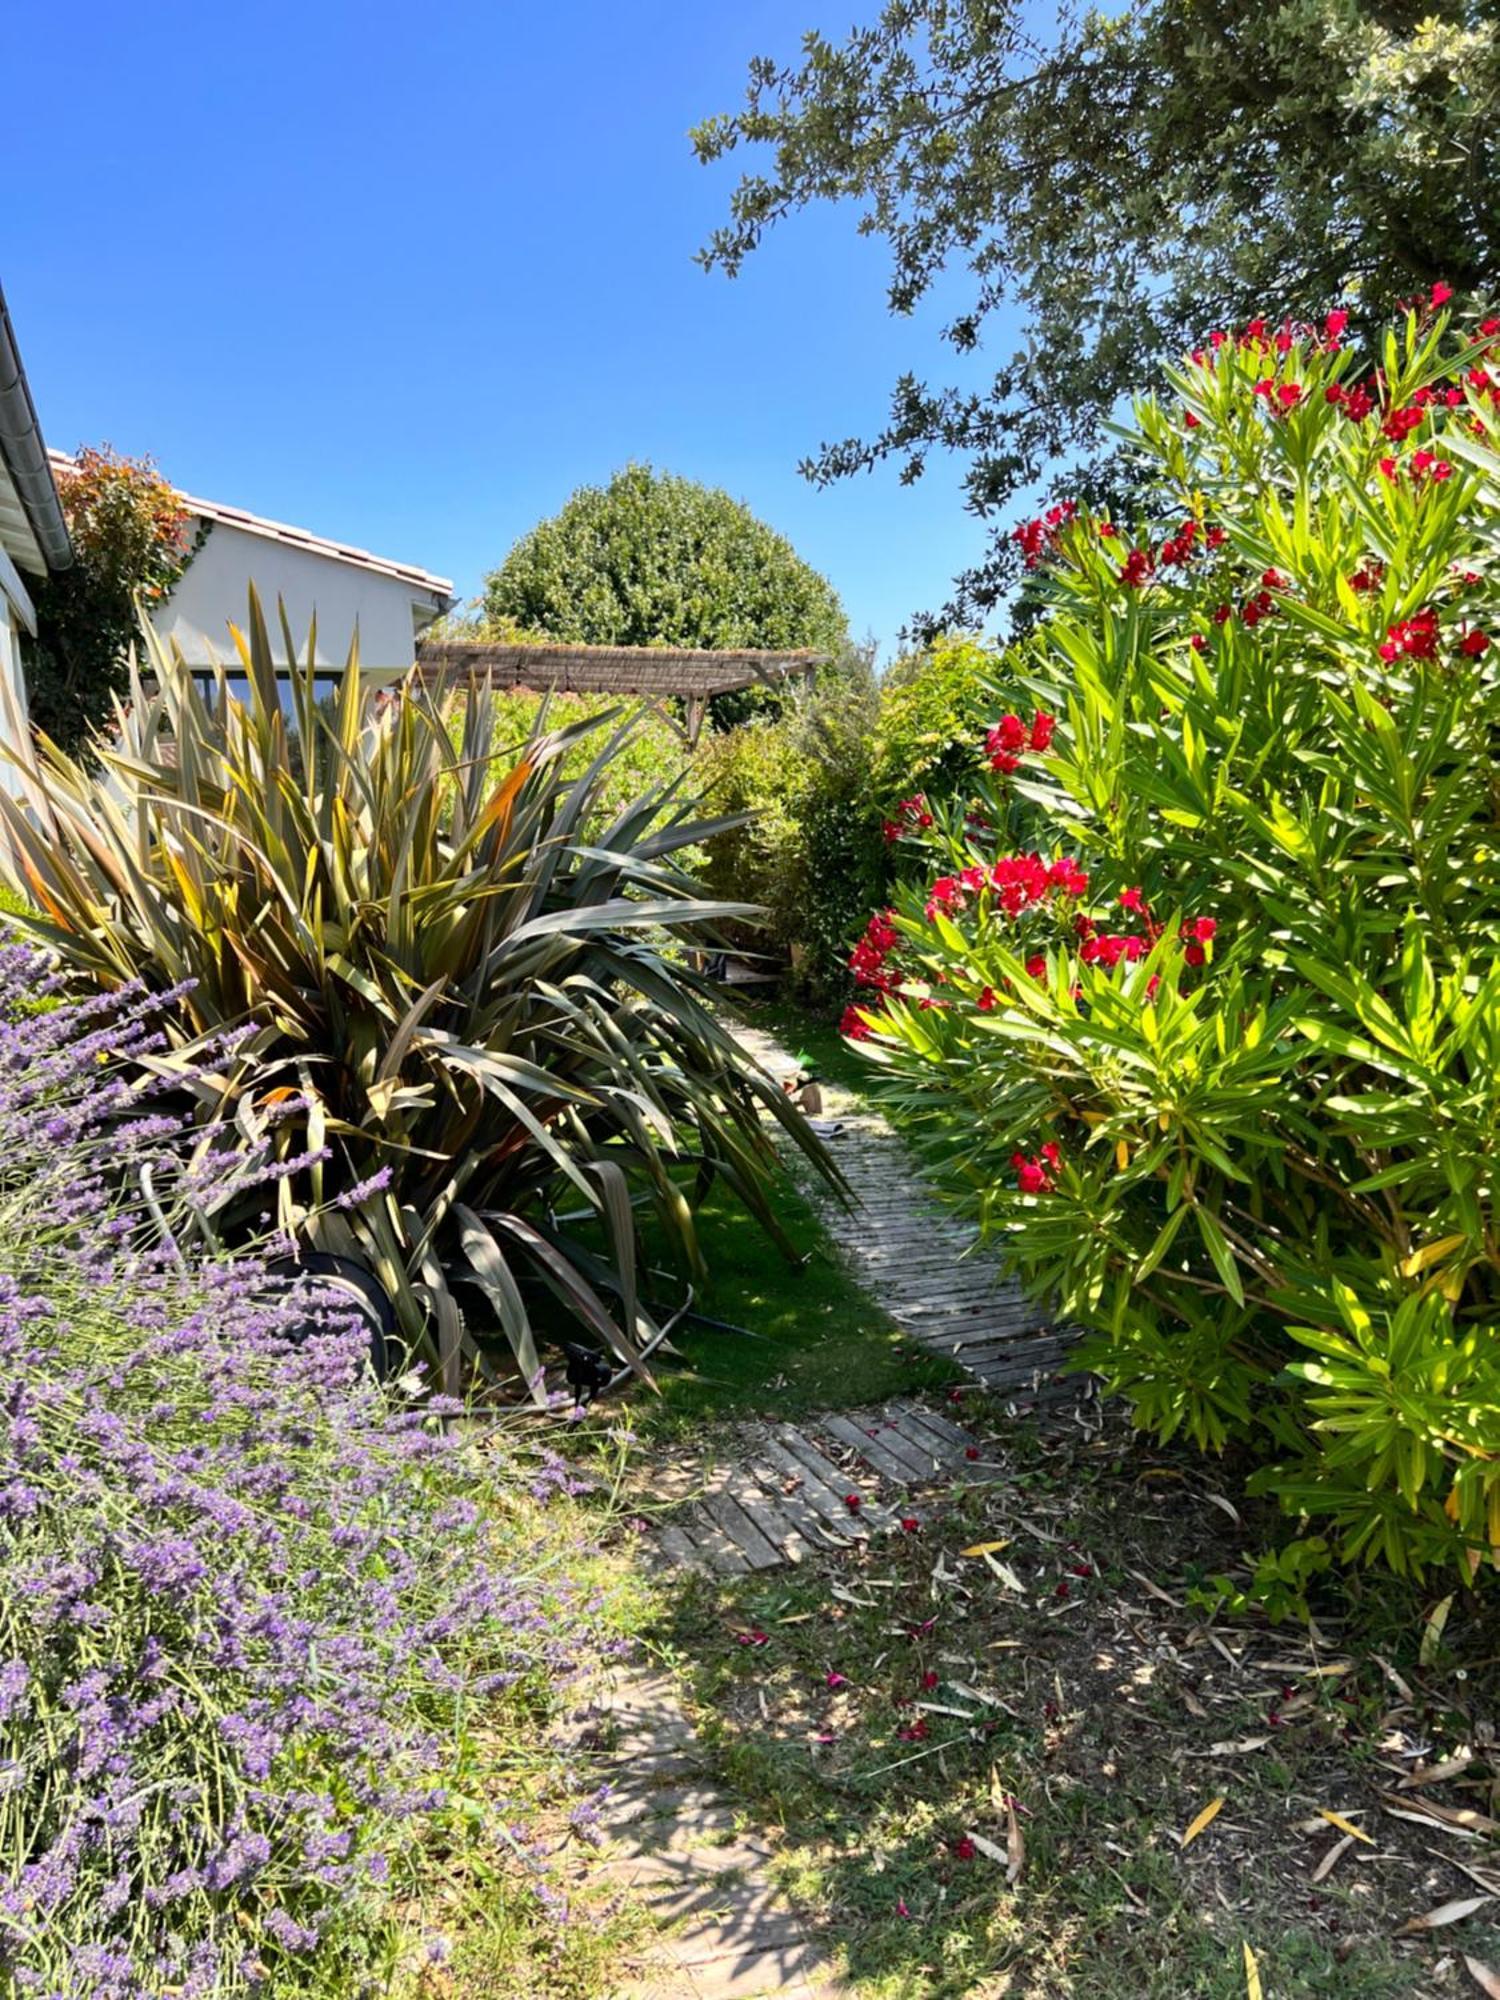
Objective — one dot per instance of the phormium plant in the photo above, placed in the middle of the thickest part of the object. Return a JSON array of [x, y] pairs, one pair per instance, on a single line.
[[472, 1043], [1220, 1058]]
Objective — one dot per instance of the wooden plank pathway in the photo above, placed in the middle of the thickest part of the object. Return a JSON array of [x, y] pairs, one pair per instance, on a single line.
[[787, 1491], [926, 1266], [781, 1493]]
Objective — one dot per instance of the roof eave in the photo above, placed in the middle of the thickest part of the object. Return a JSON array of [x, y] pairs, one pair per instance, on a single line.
[[24, 451]]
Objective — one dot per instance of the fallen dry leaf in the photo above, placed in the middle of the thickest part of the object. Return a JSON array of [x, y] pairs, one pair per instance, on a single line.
[[1231, 1748], [1432, 1631], [1154, 1589], [1394, 1678], [1006, 1575], [984, 1549], [1332, 1858], [1206, 1818], [1487, 1980], [1445, 1913], [1436, 1774], [1015, 1845], [1461, 1819], [1345, 1825], [1486, 1878], [1253, 1988]]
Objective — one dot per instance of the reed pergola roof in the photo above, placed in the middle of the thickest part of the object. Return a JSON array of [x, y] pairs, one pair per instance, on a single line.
[[695, 675]]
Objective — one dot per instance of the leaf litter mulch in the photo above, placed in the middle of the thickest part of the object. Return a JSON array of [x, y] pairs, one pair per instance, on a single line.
[[1004, 1750]]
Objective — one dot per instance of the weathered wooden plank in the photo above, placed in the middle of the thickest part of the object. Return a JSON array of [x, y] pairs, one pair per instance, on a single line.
[[818, 1530], [825, 1485], [754, 1545], [676, 1545], [925, 1457], [886, 1460], [908, 1425], [941, 1427], [770, 1514], [719, 1550]]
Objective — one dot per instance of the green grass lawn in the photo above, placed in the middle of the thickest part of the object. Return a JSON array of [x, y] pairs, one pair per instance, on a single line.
[[812, 1338]]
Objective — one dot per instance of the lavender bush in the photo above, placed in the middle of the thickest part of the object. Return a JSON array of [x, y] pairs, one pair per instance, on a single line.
[[248, 1602]]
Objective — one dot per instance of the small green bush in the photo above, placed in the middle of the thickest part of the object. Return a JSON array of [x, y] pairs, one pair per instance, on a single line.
[[1221, 1061], [131, 545], [934, 708], [654, 755], [811, 853]]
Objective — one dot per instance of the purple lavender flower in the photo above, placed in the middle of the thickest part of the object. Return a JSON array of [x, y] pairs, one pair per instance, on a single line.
[[246, 1600]]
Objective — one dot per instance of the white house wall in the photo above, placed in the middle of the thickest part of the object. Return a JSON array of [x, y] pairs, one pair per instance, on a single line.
[[214, 593], [12, 609]]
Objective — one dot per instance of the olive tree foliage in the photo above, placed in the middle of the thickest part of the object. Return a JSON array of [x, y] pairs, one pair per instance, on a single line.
[[653, 559], [1121, 181]]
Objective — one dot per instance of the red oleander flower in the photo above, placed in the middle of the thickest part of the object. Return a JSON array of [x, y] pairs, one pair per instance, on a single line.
[[1399, 424], [964, 1849], [1134, 900], [1334, 325], [1036, 1175], [854, 1027], [853, 1502], [1474, 642], [1036, 966], [986, 1002], [1135, 570], [1441, 294], [834, 1679], [929, 1680], [1413, 638], [971, 1452], [909, 1524]]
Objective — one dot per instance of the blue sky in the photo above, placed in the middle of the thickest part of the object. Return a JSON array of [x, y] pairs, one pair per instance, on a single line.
[[407, 275]]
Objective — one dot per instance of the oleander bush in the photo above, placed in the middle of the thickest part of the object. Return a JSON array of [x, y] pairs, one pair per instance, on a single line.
[[472, 1043], [1203, 1010], [255, 1613]]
